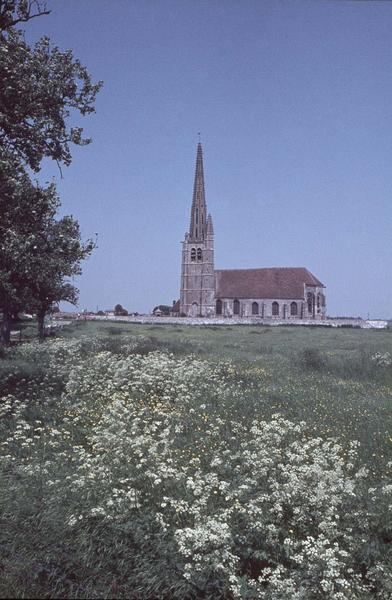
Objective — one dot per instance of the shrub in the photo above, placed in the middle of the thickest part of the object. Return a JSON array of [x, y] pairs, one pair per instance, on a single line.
[[115, 331], [311, 358]]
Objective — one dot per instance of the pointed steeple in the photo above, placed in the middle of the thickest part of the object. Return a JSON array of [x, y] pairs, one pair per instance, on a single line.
[[210, 227], [198, 225]]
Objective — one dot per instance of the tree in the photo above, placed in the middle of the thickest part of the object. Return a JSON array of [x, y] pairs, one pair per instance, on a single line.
[[13, 12], [59, 252], [37, 252], [39, 89], [119, 311], [163, 308], [25, 211]]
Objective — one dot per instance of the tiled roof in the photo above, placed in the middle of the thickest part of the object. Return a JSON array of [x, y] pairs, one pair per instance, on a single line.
[[263, 283]]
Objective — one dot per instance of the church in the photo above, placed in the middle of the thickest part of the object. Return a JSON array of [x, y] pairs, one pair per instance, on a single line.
[[267, 293]]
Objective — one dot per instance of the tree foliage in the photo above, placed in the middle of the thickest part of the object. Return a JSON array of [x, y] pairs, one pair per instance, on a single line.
[[13, 12], [25, 210], [163, 308], [120, 311], [40, 87], [37, 252], [59, 252]]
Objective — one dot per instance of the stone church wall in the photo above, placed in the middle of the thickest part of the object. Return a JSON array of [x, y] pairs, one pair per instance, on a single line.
[[283, 309], [317, 307], [265, 309]]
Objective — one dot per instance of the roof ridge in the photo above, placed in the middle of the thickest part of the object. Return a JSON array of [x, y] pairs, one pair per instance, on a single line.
[[265, 269]]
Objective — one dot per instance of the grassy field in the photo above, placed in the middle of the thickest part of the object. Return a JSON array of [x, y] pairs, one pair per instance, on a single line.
[[134, 463], [323, 376]]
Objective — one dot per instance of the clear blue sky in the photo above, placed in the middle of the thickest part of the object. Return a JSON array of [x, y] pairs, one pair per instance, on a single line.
[[294, 103]]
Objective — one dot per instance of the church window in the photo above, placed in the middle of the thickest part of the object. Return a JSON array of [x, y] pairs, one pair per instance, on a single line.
[[193, 254], [199, 254], [293, 309], [275, 309], [318, 300], [236, 307], [197, 215], [255, 308], [219, 307]]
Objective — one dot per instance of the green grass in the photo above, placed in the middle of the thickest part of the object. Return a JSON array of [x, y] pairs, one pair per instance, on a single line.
[[342, 352], [325, 377], [247, 341]]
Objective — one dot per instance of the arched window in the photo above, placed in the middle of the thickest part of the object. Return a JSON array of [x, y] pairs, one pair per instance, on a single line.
[[255, 308], [293, 309], [236, 307], [275, 309], [195, 309], [218, 307], [318, 300], [193, 254], [199, 254]]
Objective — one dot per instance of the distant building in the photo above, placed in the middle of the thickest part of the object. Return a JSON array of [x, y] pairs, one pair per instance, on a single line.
[[175, 309], [280, 292]]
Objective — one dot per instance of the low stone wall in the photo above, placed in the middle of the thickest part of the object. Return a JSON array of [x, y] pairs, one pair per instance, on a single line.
[[200, 321]]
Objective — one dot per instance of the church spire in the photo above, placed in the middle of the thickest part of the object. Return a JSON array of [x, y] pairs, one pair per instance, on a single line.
[[198, 223], [210, 227]]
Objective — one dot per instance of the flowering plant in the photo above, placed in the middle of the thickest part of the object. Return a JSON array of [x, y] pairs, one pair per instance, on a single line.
[[159, 479]]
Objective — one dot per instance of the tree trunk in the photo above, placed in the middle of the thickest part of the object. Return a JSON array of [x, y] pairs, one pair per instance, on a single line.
[[41, 326], [5, 334]]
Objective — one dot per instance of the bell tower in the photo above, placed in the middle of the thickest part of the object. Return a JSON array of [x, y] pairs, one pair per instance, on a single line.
[[197, 295]]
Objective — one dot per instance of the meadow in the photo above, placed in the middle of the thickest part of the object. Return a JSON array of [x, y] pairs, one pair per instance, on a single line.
[[174, 462]]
